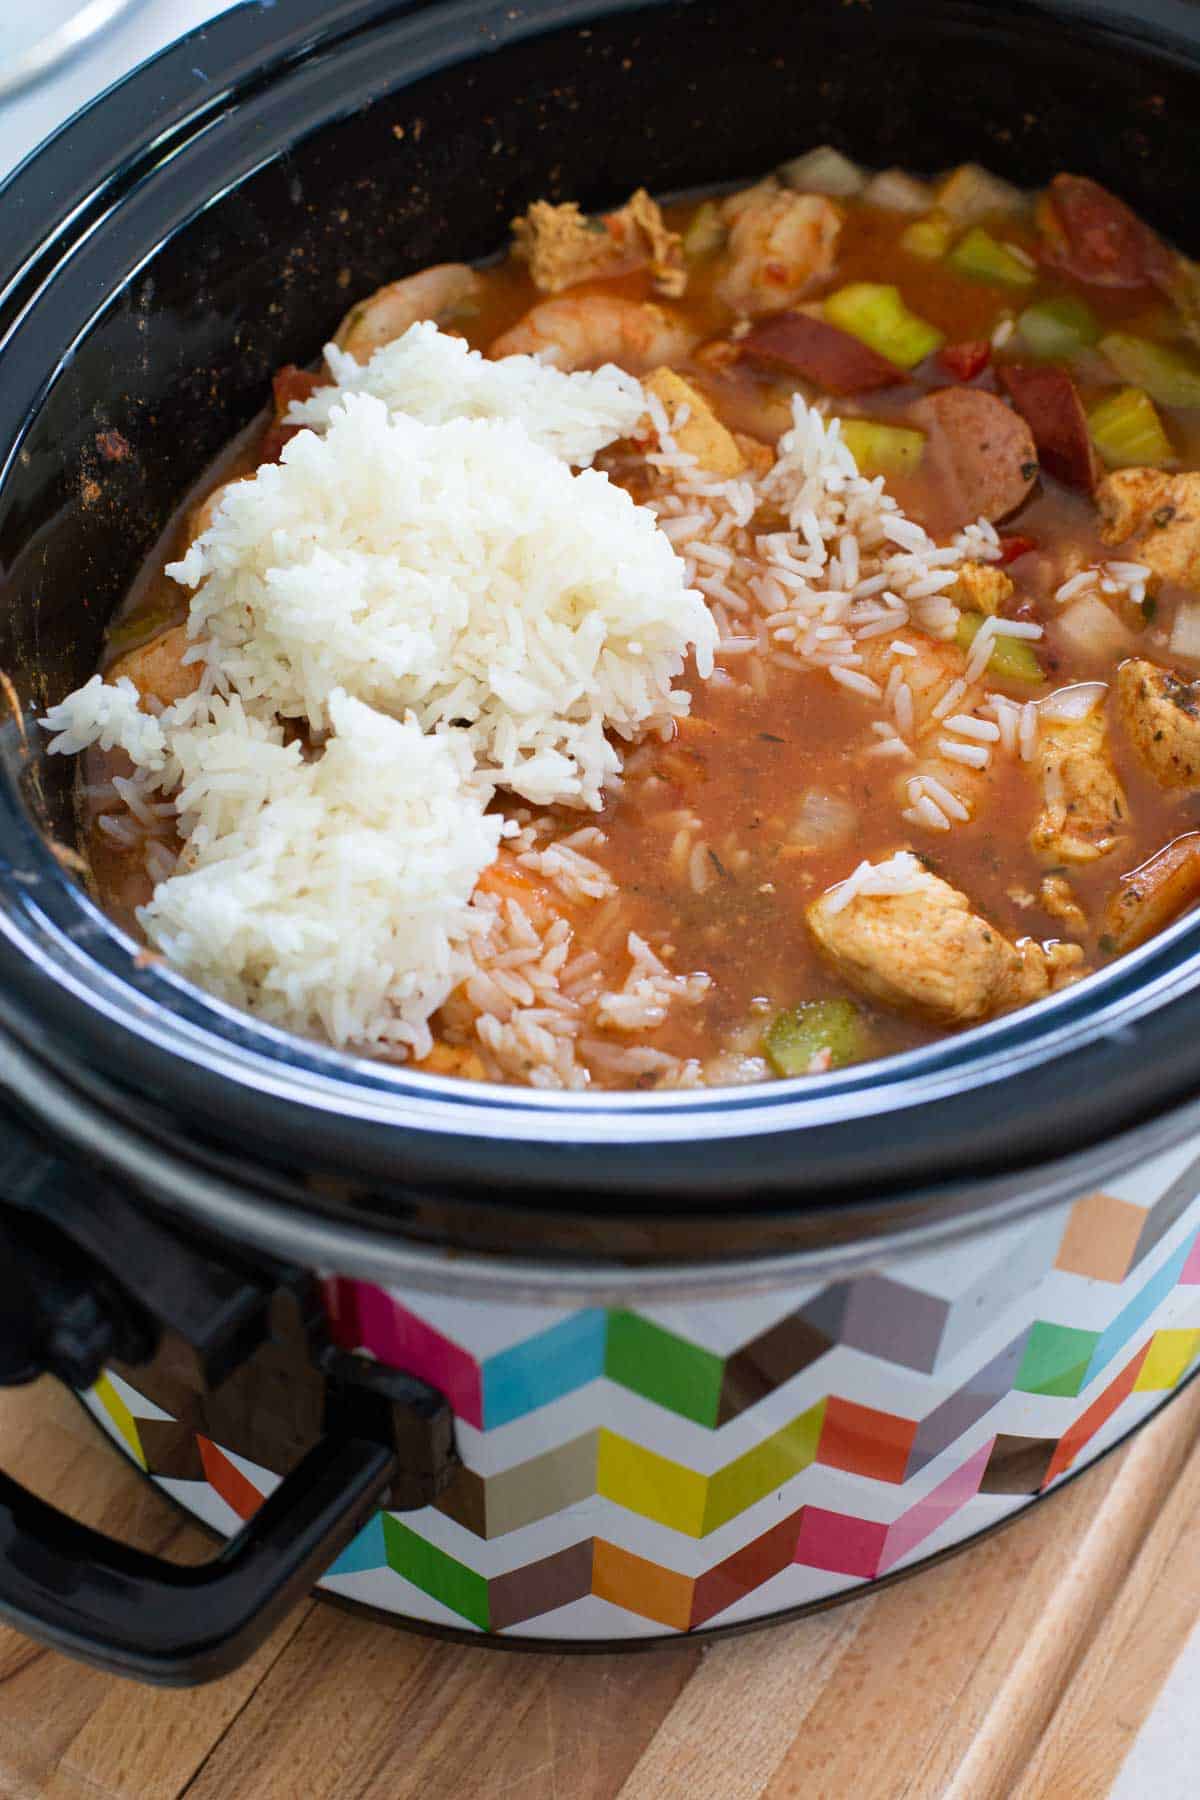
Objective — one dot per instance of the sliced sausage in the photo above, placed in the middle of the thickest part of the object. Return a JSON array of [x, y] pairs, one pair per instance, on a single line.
[[980, 453], [1098, 239], [1047, 400], [819, 352], [1148, 898]]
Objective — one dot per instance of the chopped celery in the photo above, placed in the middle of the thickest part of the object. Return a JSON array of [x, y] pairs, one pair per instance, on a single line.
[[1013, 658], [1128, 432], [705, 232], [930, 237], [1172, 377], [883, 449], [984, 258], [1058, 327], [875, 313], [831, 1029]]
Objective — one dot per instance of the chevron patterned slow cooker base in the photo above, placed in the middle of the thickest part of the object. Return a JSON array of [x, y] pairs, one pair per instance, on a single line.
[[634, 1471]]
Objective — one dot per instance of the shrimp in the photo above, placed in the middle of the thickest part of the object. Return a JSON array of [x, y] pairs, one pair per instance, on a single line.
[[780, 242], [592, 329], [446, 292]]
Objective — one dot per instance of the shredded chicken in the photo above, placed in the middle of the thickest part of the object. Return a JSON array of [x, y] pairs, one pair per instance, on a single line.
[[981, 587], [564, 246]]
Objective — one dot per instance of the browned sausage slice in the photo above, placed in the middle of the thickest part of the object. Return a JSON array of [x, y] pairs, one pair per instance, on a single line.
[[1095, 237], [819, 352], [1148, 898], [1047, 400], [980, 453]]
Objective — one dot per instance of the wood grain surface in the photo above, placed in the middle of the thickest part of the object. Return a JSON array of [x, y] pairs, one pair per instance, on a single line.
[[1020, 1670]]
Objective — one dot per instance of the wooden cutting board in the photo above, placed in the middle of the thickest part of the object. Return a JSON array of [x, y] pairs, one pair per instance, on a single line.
[[1023, 1668]]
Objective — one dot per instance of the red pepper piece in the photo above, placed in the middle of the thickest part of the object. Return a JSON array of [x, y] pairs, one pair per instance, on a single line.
[[1047, 400], [1013, 545], [820, 353], [966, 360]]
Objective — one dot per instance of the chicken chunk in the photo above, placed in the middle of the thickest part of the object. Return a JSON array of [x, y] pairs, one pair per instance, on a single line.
[[1156, 517], [1057, 897], [563, 246], [702, 435], [1083, 804], [927, 952], [157, 669], [981, 587], [1161, 716], [780, 242]]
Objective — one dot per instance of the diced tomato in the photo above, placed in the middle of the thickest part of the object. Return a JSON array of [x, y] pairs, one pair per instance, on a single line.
[[966, 360], [1013, 545], [289, 383]]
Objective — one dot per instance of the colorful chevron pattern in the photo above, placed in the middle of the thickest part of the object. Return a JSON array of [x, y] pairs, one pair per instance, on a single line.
[[674, 1462]]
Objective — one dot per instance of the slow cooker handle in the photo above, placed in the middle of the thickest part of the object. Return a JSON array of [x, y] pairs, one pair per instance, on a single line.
[[130, 1613], [75, 1253]]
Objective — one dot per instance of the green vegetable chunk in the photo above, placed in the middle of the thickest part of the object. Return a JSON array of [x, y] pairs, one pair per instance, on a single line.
[[1171, 377], [1128, 432], [875, 313], [880, 449], [1013, 658], [930, 237], [1059, 327], [794, 1038], [984, 258]]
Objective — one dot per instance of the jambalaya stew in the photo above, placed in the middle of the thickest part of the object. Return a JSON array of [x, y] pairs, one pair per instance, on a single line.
[[819, 680]]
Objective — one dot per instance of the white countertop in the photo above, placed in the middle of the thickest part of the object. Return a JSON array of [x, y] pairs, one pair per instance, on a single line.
[[33, 114]]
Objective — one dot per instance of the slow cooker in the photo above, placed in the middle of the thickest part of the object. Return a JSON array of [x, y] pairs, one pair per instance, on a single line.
[[530, 1368]]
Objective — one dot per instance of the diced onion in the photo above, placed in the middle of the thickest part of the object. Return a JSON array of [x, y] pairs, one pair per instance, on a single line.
[[970, 194], [824, 171], [898, 192], [1091, 626], [1074, 702], [823, 820], [1185, 630]]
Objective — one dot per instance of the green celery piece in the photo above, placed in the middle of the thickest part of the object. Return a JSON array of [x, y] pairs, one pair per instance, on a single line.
[[1013, 658], [1128, 432], [793, 1038], [1058, 327], [875, 313], [880, 449], [1169, 376], [984, 258], [929, 237]]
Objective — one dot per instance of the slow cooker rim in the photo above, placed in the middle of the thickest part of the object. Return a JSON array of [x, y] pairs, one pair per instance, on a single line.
[[45, 909]]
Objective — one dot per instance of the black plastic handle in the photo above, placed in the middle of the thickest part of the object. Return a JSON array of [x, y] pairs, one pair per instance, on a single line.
[[134, 1614]]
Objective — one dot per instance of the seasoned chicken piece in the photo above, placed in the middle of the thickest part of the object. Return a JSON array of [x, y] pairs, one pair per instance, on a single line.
[[780, 242], [1057, 897], [926, 952], [157, 669], [563, 246], [1083, 805], [1041, 969], [1156, 519], [981, 587], [1161, 716], [702, 435]]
